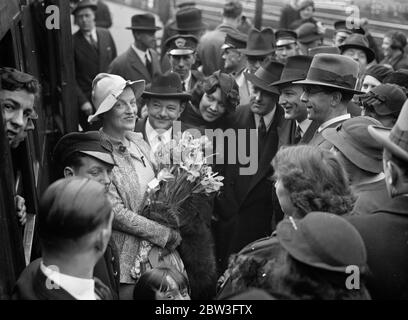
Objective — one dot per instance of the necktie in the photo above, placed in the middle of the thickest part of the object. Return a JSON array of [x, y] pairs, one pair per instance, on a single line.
[[148, 63], [298, 135], [261, 135], [184, 86], [93, 42]]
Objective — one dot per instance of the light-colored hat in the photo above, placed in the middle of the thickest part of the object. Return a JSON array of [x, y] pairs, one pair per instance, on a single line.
[[106, 88]]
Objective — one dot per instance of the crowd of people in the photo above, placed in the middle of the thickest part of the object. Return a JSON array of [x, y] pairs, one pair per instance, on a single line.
[[324, 213]]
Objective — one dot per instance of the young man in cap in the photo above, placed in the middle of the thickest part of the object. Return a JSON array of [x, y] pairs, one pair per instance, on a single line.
[[235, 62], [327, 91], [18, 93], [75, 225], [383, 103], [393, 47], [80, 154], [245, 207], [181, 51], [140, 61], [298, 128], [308, 37], [362, 158], [286, 45], [209, 48], [384, 230], [260, 47], [94, 50]]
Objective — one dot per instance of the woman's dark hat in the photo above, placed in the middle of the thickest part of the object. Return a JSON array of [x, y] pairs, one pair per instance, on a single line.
[[356, 144], [189, 20], [166, 85], [334, 71], [84, 4], [394, 140], [144, 22], [323, 49], [324, 241], [296, 69], [268, 72], [358, 41], [378, 72], [308, 32], [260, 43]]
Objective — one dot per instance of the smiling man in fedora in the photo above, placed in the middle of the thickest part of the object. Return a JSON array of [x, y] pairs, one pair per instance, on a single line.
[[140, 61], [327, 91], [384, 230]]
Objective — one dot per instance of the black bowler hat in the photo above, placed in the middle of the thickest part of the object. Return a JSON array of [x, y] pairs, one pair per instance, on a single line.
[[260, 43], [166, 85], [296, 69], [84, 4], [88, 143], [323, 49], [284, 37], [358, 41], [180, 44], [268, 72], [144, 22], [235, 40], [189, 20]]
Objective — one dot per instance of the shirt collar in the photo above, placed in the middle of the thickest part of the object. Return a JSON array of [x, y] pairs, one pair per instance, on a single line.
[[328, 123], [187, 81], [93, 33], [152, 134], [80, 289], [267, 118], [377, 178], [304, 125], [142, 54]]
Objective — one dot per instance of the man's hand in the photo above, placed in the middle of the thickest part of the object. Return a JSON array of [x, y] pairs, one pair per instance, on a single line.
[[21, 210], [87, 108]]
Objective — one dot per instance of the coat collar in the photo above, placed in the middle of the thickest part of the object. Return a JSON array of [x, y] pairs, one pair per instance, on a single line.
[[136, 63], [397, 205]]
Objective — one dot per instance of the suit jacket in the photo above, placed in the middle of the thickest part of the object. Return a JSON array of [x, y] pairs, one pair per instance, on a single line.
[[245, 208], [385, 235], [129, 66], [321, 142], [32, 285], [89, 62], [287, 130]]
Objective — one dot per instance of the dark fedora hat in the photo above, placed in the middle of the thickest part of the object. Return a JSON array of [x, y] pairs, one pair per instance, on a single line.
[[323, 240], [144, 22], [394, 140], [308, 32], [358, 41], [166, 85], [181, 44], [88, 143], [284, 37], [268, 72], [189, 20], [323, 49], [334, 71], [84, 4], [296, 69], [355, 142], [260, 43]]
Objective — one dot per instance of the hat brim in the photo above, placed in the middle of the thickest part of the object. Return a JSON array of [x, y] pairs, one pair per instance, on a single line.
[[284, 42], [181, 96], [324, 84], [92, 6], [104, 157], [180, 52], [352, 153], [256, 53], [197, 28], [285, 81], [382, 135], [310, 38], [369, 53], [107, 104], [144, 28], [260, 83]]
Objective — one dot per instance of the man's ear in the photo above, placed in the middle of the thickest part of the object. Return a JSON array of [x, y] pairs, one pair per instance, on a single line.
[[392, 173], [68, 172], [182, 107], [336, 98]]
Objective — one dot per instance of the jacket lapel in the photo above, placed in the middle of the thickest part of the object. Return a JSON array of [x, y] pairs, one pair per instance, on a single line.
[[138, 65], [309, 132], [141, 127]]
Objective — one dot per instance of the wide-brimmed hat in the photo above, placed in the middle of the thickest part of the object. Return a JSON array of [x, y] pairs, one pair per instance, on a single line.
[[394, 140], [189, 20], [356, 144], [260, 43], [386, 99], [235, 40], [323, 49], [308, 32], [334, 71], [296, 69], [106, 88], [324, 241], [284, 37], [268, 72], [358, 41], [84, 4], [144, 22], [166, 85], [88, 143], [181, 44]]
